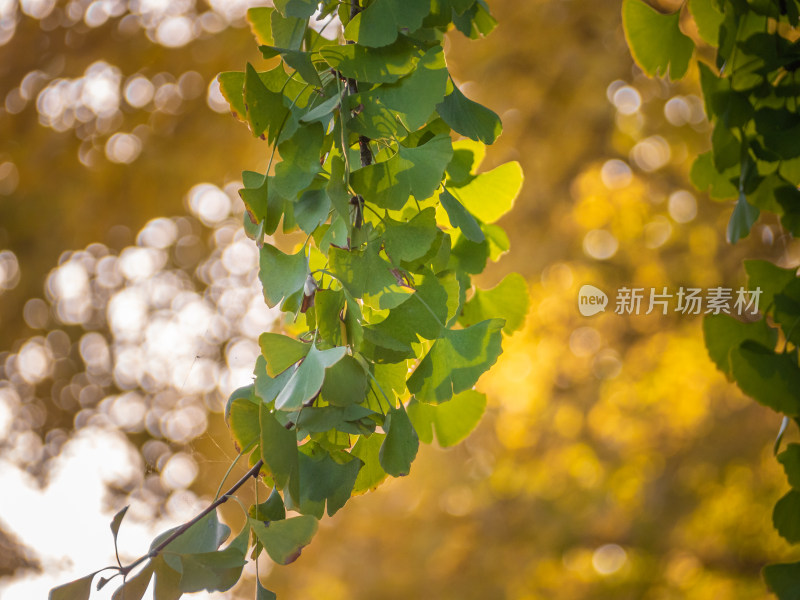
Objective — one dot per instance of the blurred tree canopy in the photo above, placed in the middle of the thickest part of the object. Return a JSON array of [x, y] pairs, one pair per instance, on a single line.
[[615, 461]]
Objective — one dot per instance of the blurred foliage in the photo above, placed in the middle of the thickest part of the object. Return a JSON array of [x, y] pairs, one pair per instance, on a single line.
[[615, 461]]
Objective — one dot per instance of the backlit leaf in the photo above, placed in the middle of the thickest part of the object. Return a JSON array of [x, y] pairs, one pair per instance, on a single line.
[[281, 274], [470, 118], [279, 451], [306, 380], [378, 24], [456, 361], [770, 278], [492, 194], [260, 20], [213, 571], [345, 382], [116, 522], [365, 274], [135, 586], [265, 109], [80, 589], [655, 40], [769, 378], [401, 444], [507, 300], [460, 217], [231, 84], [375, 65], [410, 240], [281, 351], [742, 220], [272, 509], [241, 416], [414, 97], [325, 481], [453, 421], [302, 9], [285, 540], [371, 474], [786, 516], [167, 580], [707, 18], [723, 333], [204, 536], [418, 171]]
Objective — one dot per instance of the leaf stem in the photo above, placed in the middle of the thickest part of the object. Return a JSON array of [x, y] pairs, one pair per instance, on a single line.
[[227, 473]]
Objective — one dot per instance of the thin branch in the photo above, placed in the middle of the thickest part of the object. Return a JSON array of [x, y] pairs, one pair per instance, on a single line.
[[183, 528]]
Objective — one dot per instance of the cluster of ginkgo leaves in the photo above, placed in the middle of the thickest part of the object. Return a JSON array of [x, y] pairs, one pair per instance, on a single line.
[[751, 94], [378, 156]]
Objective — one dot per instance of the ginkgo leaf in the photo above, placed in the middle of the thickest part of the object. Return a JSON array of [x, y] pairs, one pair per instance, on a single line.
[[375, 65], [769, 378], [80, 589], [507, 300], [400, 446], [281, 351], [453, 420], [281, 274], [325, 482], [260, 20], [345, 382], [365, 274], [241, 416], [371, 474], [460, 217], [279, 451], [492, 194], [656, 40], [469, 118], [723, 333], [410, 240], [378, 24], [285, 540], [306, 380], [418, 171], [414, 97], [456, 361], [786, 516], [265, 109], [135, 587]]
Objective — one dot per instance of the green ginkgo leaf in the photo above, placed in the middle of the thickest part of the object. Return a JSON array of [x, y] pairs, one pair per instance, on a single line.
[[378, 24], [656, 40], [281, 351], [306, 380], [491, 195], [400, 446], [279, 451], [456, 361], [769, 378], [80, 589], [507, 300], [453, 420], [281, 274], [285, 540], [469, 118]]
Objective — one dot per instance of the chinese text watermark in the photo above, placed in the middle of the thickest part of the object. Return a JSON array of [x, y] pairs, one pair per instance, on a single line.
[[683, 300]]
